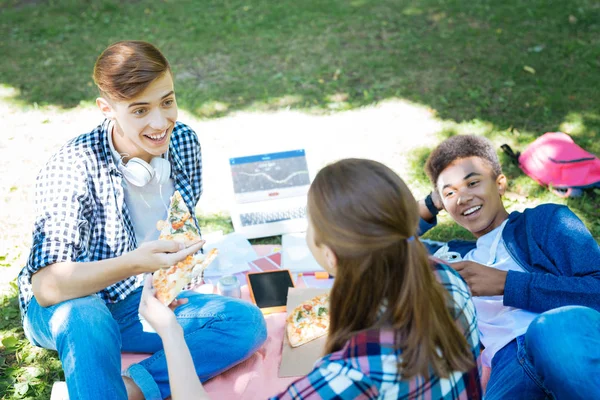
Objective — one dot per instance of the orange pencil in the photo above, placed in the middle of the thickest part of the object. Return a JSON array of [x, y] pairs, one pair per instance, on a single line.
[[317, 274]]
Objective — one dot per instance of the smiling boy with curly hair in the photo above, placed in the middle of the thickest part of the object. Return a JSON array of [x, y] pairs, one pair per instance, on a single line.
[[534, 276]]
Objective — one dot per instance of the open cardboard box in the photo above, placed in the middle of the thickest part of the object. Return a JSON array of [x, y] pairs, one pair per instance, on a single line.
[[299, 361]]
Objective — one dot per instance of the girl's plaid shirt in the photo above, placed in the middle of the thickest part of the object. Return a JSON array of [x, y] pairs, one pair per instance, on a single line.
[[367, 366], [80, 210]]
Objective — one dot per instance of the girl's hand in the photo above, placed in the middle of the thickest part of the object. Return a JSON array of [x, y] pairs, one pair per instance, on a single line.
[[159, 316], [151, 256]]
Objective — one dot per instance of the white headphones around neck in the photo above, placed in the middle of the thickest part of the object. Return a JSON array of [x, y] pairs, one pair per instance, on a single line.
[[139, 173]]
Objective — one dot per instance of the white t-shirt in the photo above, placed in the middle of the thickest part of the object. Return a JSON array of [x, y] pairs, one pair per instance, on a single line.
[[146, 204], [498, 324]]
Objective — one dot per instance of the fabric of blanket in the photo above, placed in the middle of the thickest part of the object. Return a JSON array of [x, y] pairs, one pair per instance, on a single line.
[[257, 376]]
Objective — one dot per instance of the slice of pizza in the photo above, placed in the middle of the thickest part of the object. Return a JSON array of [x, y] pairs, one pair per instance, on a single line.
[[179, 225], [308, 321], [202, 262], [169, 282]]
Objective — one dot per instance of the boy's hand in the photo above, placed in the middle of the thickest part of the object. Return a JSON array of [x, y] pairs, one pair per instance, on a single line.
[[151, 256], [437, 199], [482, 280]]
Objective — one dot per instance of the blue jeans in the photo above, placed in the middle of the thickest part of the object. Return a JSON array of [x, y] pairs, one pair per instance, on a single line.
[[89, 336], [557, 358]]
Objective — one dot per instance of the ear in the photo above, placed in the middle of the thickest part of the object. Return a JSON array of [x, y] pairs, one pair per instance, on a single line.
[[502, 184], [106, 108], [330, 258]]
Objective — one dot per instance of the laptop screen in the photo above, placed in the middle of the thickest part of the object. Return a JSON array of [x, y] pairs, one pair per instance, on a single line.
[[270, 176]]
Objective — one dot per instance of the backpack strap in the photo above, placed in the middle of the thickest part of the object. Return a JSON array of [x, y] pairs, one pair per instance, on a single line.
[[566, 192], [513, 156]]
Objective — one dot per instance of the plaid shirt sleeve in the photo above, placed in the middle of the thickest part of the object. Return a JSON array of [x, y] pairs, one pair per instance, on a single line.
[[189, 154], [61, 230], [461, 305], [332, 379]]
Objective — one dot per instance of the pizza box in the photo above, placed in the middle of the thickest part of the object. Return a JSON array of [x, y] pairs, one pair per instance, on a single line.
[[299, 361]]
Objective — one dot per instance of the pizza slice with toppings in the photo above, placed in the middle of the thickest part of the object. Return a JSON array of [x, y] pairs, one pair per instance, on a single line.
[[308, 321], [169, 282], [180, 227]]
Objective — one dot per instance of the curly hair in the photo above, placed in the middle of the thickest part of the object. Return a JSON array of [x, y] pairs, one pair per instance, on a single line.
[[458, 147]]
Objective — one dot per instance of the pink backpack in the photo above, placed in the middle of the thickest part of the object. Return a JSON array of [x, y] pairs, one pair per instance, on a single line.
[[556, 161]]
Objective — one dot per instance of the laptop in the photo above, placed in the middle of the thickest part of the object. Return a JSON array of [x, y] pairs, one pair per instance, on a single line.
[[270, 193]]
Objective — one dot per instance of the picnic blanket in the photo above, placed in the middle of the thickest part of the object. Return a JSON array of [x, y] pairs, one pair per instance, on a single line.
[[257, 376]]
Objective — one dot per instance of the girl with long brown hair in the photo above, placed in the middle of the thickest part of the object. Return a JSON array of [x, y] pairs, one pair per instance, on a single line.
[[402, 325]]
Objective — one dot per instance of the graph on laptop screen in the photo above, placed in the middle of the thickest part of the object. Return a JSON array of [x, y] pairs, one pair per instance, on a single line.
[[270, 193], [269, 176]]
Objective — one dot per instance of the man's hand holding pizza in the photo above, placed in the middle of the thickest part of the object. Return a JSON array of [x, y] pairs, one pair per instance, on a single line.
[[157, 254]]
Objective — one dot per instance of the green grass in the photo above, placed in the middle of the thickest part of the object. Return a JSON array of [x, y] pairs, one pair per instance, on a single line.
[[25, 371], [466, 60], [508, 70]]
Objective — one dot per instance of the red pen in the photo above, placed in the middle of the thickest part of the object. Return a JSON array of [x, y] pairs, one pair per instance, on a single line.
[[317, 274]]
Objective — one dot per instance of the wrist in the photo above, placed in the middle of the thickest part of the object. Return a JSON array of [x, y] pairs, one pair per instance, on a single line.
[[502, 282], [173, 332], [433, 210], [129, 262]]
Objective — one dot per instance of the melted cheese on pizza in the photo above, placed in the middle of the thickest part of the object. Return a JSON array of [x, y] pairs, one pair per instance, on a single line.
[[308, 321]]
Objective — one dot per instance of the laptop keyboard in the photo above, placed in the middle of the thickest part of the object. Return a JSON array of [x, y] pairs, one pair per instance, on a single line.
[[257, 218]]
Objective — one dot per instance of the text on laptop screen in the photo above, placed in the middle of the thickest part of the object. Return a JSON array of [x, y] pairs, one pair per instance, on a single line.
[[269, 176]]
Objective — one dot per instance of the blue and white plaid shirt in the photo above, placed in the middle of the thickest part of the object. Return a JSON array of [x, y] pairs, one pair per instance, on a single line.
[[80, 207]]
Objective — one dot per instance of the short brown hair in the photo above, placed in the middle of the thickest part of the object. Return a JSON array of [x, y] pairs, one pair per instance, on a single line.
[[458, 147], [125, 69], [364, 212]]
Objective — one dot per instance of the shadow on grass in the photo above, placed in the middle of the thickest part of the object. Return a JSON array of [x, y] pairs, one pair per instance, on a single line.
[[529, 65]]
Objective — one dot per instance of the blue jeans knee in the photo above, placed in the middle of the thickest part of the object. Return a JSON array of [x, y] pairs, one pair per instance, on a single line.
[[243, 322], [88, 342], [563, 346], [85, 318], [565, 330]]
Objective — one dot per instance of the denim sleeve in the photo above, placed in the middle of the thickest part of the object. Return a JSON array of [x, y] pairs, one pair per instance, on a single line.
[[571, 248], [425, 226]]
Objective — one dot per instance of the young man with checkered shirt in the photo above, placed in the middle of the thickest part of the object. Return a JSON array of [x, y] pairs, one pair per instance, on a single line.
[[97, 201]]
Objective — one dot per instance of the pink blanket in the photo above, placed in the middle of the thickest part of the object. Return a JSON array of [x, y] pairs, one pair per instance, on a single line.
[[254, 378]]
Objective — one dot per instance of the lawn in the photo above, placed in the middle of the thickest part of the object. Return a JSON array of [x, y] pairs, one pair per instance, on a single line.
[[508, 70]]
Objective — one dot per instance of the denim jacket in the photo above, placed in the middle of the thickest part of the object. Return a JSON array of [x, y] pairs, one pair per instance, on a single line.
[[560, 255]]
